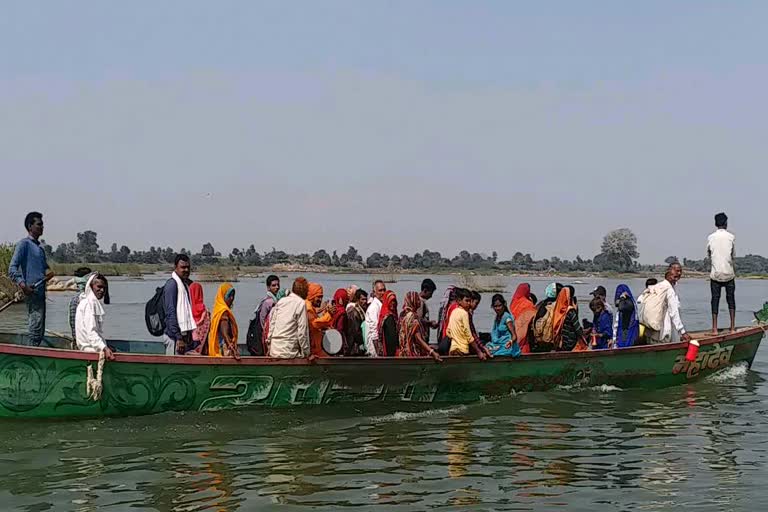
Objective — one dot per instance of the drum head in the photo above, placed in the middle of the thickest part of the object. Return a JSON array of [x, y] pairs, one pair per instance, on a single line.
[[332, 342]]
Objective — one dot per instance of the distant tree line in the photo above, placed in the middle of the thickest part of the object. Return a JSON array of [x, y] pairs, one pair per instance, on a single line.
[[745, 265], [618, 253]]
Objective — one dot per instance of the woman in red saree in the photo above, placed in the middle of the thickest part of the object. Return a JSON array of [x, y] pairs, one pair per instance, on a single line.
[[339, 320], [523, 310], [202, 319], [388, 329]]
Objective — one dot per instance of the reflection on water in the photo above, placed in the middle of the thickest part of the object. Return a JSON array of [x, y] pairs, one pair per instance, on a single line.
[[702, 445]]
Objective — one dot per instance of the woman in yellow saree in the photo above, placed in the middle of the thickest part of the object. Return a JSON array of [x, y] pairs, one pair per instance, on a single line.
[[222, 338]]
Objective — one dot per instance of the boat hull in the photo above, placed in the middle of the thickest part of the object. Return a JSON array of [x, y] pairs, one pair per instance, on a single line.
[[51, 383]]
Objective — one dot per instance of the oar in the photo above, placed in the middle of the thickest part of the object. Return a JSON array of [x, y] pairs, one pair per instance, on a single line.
[[65, 337], [13, 299], [59, 335], [7, 305]]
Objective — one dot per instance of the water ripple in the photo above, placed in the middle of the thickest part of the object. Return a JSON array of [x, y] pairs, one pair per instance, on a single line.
[[702, 446]]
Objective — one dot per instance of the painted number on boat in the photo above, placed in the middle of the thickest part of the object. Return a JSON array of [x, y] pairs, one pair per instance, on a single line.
[[245, 390]]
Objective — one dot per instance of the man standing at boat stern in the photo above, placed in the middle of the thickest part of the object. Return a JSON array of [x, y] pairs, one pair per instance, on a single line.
[[721, 249], [28, 269], [179, 322]]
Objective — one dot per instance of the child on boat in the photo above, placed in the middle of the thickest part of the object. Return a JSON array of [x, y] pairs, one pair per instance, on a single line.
[[602, 324]]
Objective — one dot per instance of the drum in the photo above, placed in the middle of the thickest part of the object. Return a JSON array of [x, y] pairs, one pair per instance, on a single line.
[[332, 342]]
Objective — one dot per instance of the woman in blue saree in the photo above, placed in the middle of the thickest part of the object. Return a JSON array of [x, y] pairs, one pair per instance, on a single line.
[[626, 325], [503, 335]]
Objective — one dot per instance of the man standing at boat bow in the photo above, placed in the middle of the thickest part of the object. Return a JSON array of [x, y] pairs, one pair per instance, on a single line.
[[29, 270]]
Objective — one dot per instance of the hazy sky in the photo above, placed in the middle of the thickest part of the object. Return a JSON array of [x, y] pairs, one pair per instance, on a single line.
[[393, 126]]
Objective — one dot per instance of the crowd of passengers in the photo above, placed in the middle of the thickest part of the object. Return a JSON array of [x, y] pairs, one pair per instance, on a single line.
[[292, 323]]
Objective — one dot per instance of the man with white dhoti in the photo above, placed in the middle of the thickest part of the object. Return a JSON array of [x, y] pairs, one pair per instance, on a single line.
[[673, 329]]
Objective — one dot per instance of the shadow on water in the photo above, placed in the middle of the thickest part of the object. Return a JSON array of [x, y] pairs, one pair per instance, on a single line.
[[701, 445]]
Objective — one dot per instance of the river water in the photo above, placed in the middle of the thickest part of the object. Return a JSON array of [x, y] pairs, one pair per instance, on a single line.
[[700, 446]]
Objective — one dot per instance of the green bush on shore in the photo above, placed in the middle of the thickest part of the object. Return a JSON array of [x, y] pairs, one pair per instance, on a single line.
[[7, 287]]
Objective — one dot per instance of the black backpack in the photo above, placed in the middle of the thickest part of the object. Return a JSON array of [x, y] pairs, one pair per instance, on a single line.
[[253, 339], [154, 313]]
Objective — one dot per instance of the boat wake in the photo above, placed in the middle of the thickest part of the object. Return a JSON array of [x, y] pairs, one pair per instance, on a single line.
[[401, 416], [736, 372], [604, 388]]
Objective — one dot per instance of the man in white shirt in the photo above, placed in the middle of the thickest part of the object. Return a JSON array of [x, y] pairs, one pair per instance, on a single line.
[[288, 336], [372, 318], [721, 249], [673, 330]]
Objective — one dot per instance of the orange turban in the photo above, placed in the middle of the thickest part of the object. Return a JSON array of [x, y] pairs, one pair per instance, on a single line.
[[315, 291]]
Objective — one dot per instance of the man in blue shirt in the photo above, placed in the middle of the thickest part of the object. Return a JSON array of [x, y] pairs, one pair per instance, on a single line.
[[28, 269], [177, 334]]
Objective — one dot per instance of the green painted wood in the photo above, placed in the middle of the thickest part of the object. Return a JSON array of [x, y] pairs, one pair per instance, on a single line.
[[125, 346], [50, 383]]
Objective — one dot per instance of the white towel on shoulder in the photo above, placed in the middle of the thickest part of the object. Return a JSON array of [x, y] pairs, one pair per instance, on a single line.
[[183, 306]]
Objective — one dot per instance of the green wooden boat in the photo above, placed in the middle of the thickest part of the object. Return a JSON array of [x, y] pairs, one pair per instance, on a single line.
[[51, 382]]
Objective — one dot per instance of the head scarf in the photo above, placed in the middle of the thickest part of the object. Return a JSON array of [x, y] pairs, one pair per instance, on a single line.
[[81, 278], [562, 306], [449, 297], [81, 282], [551, 291], [521, 301], [633, 329], [388, 308], [98, 308], [351, 292], [275, 296], [340, 300], [315, 292], [523, 291], [412, 302], [198, 305], [220, 309], [410, 325]]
